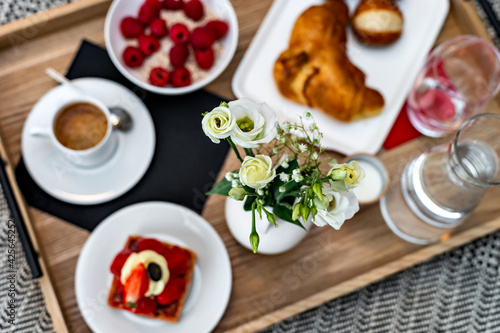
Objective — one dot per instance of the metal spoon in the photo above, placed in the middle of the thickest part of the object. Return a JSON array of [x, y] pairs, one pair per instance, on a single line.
[[120, 119]]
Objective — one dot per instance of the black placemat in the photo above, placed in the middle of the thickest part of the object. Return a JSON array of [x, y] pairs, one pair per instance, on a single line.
[[185, 163]]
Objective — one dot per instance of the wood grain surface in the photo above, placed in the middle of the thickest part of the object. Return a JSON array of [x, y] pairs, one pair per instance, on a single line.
[[266, 289]]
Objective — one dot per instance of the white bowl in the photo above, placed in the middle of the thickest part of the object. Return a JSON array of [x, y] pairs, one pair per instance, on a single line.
[[116, 43]]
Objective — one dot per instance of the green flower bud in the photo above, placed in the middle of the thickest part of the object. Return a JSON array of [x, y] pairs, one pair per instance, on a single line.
[[237, 193], [254, 241], [318, 190], [271, 218], [314, 211], [305, 212], [296, 211], [338, 174]]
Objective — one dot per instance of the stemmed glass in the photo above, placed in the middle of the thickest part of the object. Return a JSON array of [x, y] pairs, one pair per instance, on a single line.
[[458, 79], [441, 187]]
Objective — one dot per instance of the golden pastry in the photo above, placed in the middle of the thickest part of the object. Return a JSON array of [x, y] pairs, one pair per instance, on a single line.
[[377, 22], [316, 71]]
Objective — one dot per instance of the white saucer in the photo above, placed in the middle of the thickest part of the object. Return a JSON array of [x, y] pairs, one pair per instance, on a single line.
[[85, 186], [212, 279]]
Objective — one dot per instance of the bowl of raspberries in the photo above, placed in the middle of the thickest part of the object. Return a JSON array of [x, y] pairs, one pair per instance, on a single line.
[[171, 47]]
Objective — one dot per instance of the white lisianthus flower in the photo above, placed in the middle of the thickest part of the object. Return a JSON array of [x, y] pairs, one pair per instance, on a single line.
[[256, 172], [218, 123], [346, 176], [335, 208], [255, 123]]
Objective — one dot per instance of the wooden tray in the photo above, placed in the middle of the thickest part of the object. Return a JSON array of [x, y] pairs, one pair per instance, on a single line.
[[266, 289]]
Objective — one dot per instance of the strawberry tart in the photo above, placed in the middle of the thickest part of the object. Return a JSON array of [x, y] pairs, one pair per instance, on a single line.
[[151, 278]]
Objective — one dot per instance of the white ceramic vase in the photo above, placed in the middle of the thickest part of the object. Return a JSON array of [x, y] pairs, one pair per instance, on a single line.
[[272, 240]]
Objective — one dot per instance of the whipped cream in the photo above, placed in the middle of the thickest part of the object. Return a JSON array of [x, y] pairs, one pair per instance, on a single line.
[[146, 257]]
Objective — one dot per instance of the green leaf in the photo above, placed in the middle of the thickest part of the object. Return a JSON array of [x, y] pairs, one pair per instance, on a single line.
[[268, 199], [285, 214], [222, 188], [248, 203]]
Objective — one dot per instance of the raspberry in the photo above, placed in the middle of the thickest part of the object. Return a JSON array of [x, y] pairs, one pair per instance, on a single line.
[[178, 55], [204, 57], [202, 38], [148, 13], [172, 292], [158, 77], [119, 261], [179, 33], [156, 3], [148, 44], [150, 243], [158, 28], [181, 77], [194, 10], [173, 4], [131, 27], [219, 27], [145, 305], [132, 57]]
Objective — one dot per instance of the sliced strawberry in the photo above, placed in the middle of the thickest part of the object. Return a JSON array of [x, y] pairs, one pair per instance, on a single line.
[[119, 261], [150, 244], [145, 305], [174, 290], [136, 286], [177, 260]]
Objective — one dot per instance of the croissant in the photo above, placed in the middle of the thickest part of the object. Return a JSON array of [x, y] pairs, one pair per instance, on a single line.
[[316, 71]]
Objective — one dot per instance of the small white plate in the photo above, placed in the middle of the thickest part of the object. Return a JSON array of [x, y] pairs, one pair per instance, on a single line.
[[391, 70], [52, 171], [212, 279]]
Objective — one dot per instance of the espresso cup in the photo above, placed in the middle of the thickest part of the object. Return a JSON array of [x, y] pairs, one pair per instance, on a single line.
[[78, 131]]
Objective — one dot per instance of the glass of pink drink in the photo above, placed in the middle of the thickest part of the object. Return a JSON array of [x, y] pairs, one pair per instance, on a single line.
[[459, 78]]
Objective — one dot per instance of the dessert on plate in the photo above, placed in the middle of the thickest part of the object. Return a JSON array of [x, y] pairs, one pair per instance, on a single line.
[[316, 71], [151, 278]]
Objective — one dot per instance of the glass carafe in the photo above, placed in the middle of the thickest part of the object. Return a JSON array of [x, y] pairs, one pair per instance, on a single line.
[[441, 187]]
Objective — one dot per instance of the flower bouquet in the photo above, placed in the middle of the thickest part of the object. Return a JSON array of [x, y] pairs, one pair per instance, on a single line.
[[280, 176]]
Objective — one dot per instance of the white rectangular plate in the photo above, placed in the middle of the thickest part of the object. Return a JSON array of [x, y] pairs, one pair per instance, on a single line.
[[391, 70]]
